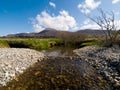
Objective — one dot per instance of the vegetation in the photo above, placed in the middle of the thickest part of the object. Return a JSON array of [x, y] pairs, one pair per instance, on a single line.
[[71, 39], [66, 40], [33, 43], [3, 44], [106, 21], [90, 43], [58, 74]]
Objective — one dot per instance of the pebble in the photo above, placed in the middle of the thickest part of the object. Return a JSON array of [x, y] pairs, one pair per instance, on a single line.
[[105, 60], [13, 61]]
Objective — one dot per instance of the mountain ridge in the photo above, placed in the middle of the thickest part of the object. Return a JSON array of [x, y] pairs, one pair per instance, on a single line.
[[52, 33]]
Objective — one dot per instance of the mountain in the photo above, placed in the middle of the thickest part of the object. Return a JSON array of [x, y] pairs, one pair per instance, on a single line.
[[22, 35], [91, 32], [52, 33], [48, 32]]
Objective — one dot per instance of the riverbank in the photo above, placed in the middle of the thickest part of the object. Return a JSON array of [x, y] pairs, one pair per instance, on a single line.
[[13, 61], [105, 60], [32, 43]]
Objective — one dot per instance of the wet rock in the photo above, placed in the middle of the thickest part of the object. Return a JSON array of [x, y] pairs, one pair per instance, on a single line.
[[114, 63], [118, 67]]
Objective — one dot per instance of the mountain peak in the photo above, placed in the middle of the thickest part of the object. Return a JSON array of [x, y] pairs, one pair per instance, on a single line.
[[50, 29]]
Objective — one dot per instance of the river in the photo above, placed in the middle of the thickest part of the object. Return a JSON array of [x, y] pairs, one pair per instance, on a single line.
[[59, 52], [64, 62]]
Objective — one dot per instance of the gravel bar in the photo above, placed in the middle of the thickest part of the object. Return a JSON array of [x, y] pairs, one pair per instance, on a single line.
[[14, 61], [105, 60]]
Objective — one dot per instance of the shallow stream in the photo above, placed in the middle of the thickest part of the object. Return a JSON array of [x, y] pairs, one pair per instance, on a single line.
[[59, 52], [62, 70]]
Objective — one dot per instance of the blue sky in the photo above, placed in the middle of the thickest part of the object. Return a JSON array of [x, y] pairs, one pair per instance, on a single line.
[[17, 16]]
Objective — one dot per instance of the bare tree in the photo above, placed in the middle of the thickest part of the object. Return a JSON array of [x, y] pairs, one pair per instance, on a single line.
[[106, 21]]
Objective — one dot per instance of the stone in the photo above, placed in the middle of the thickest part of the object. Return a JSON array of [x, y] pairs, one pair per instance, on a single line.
[[105, 60], [13, 61]]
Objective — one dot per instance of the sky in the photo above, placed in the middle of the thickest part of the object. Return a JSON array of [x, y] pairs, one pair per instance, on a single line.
[[24, 16]]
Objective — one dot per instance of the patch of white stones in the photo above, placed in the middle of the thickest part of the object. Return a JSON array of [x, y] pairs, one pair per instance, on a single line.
[[14, 61]]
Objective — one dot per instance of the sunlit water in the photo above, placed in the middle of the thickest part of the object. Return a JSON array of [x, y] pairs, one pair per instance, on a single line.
[[59, 52]]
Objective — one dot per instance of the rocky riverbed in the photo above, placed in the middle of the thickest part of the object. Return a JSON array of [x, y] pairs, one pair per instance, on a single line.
[[59, 73], [105, 60], [14, 61], [88, 64]]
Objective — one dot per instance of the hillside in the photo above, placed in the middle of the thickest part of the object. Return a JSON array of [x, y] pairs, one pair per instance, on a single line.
[[52, 33], [91, 31]]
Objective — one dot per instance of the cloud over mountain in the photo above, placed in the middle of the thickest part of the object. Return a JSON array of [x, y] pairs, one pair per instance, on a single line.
[[63, 21]]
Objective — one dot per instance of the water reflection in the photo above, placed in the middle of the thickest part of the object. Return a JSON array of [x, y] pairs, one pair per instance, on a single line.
[[59, 52]]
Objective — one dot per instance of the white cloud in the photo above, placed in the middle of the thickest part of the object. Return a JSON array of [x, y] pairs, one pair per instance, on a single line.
[[117, 13], [90, 26], [86, 21], [38, 28], [89, 5], [61, 22], [87, 24], [117, 24], [52, 4], [115, 1]]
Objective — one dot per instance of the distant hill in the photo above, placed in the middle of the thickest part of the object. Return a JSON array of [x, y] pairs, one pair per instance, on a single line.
[[91, 31], [22, 35], [48, 32], [52, 33]]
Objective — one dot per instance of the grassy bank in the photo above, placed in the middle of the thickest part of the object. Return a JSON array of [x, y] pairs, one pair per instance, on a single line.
[[40, 44], [90, 43], [33, 43], [3, 44]]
